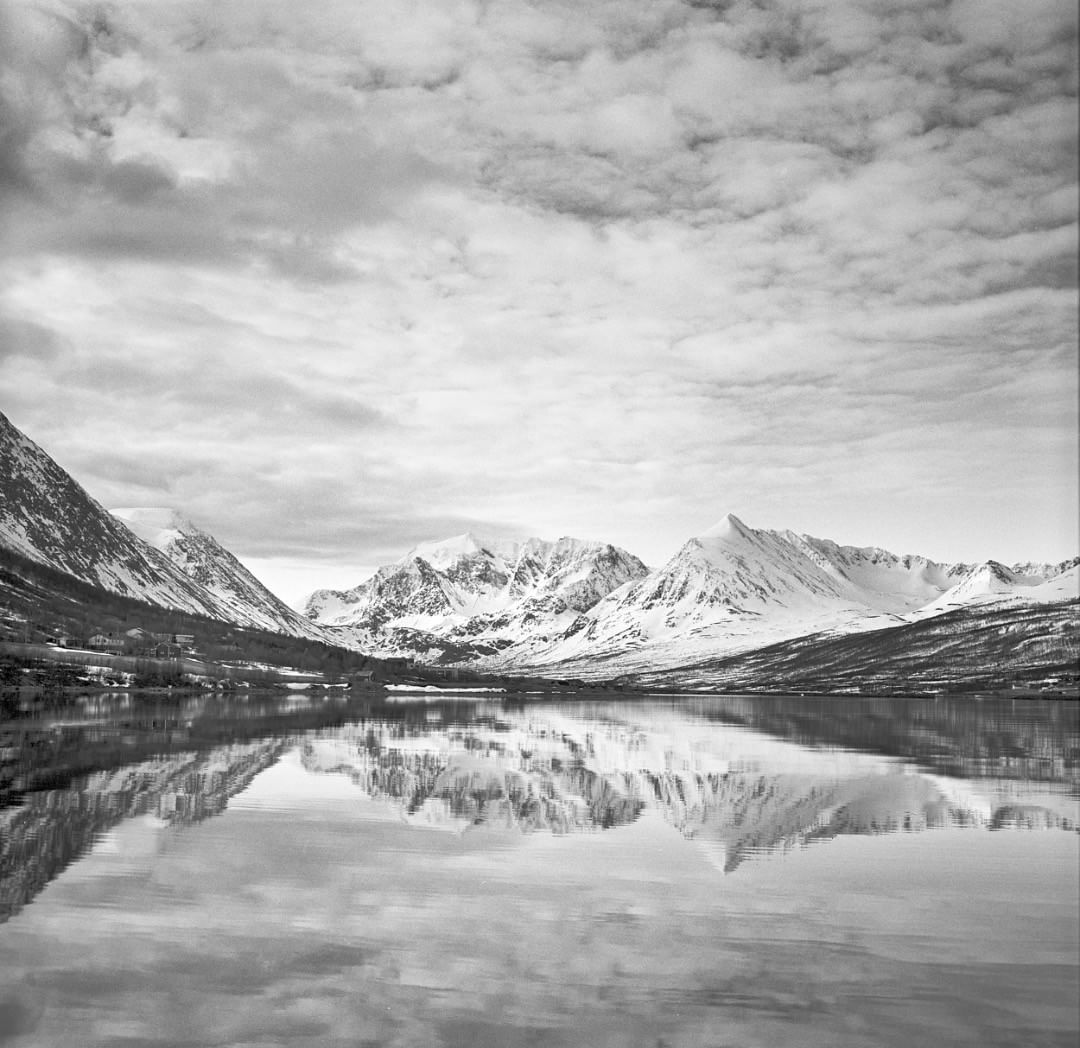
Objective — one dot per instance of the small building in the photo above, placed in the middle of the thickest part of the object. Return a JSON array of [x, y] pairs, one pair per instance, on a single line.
[[139, 635], [106, 643], [185, 640]]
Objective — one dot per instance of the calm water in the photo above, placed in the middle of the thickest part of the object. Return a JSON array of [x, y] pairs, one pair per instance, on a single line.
[[685, 872]]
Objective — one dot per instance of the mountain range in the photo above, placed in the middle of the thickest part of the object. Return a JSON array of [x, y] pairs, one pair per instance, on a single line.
[[541, 605], [529, 605], [469, 596]]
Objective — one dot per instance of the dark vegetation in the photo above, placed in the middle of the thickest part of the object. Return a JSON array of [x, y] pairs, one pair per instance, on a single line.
[[38, 603], [977, 649]]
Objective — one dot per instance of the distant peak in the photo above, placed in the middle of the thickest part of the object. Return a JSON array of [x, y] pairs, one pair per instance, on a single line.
[[997, 569], [152, 516], [157, 525], [444, 552], [464, 543], [727, 527]]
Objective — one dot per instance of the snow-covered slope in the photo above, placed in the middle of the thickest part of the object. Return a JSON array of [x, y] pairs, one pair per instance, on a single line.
[[204, 560], [732, 588], [991, 581], [729, 588], [878, 578], [47, 517], [467, 590], [735, 588]]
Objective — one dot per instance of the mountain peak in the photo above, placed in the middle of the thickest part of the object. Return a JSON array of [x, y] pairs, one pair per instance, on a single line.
[[727, 527], [444, 552], [156, 525]]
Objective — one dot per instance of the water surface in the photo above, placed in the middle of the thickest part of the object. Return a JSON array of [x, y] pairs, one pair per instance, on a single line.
[[680, 872]]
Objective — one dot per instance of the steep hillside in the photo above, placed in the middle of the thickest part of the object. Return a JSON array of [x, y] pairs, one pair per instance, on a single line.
[[217, 571], [982, 647], [50, 519]]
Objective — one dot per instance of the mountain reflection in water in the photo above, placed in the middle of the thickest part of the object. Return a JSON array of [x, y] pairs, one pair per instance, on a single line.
[[745, 776], [323, 872], [744, 792]]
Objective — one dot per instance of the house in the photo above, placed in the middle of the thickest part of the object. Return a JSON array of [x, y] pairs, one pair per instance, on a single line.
[[106, 643], [167, 650], [139, 635], [185, 640]]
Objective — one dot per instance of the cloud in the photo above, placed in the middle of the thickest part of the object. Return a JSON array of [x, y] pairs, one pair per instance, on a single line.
[[122, 142], [342, 277]]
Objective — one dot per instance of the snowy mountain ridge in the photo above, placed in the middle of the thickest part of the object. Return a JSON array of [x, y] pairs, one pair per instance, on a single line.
[[465, 590], [731, 588], [735, 588], [204, 560], [160, 558]]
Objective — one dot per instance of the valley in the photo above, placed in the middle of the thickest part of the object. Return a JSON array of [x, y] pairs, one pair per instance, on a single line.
[[734, 608]]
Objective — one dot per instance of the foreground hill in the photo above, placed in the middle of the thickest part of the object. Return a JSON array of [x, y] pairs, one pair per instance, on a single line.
[[39, 602], [972, 648]]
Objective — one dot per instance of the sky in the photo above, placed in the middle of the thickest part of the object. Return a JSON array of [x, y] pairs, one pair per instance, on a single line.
[[338, 277]]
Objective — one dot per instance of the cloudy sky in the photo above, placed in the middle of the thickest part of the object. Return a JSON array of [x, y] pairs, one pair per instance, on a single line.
[[337, 277]]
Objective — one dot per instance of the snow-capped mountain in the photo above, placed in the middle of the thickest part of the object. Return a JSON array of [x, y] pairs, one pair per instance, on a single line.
[[470, 591], [732, 588], [735, 588], [50, 519], [204, 560], [991, 580], [891, 583], [517, 605]]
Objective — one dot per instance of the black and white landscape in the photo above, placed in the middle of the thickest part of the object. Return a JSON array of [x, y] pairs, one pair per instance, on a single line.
[[539, 523]]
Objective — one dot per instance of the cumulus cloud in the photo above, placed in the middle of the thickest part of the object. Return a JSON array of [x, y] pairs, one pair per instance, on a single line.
[[351, 275]]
